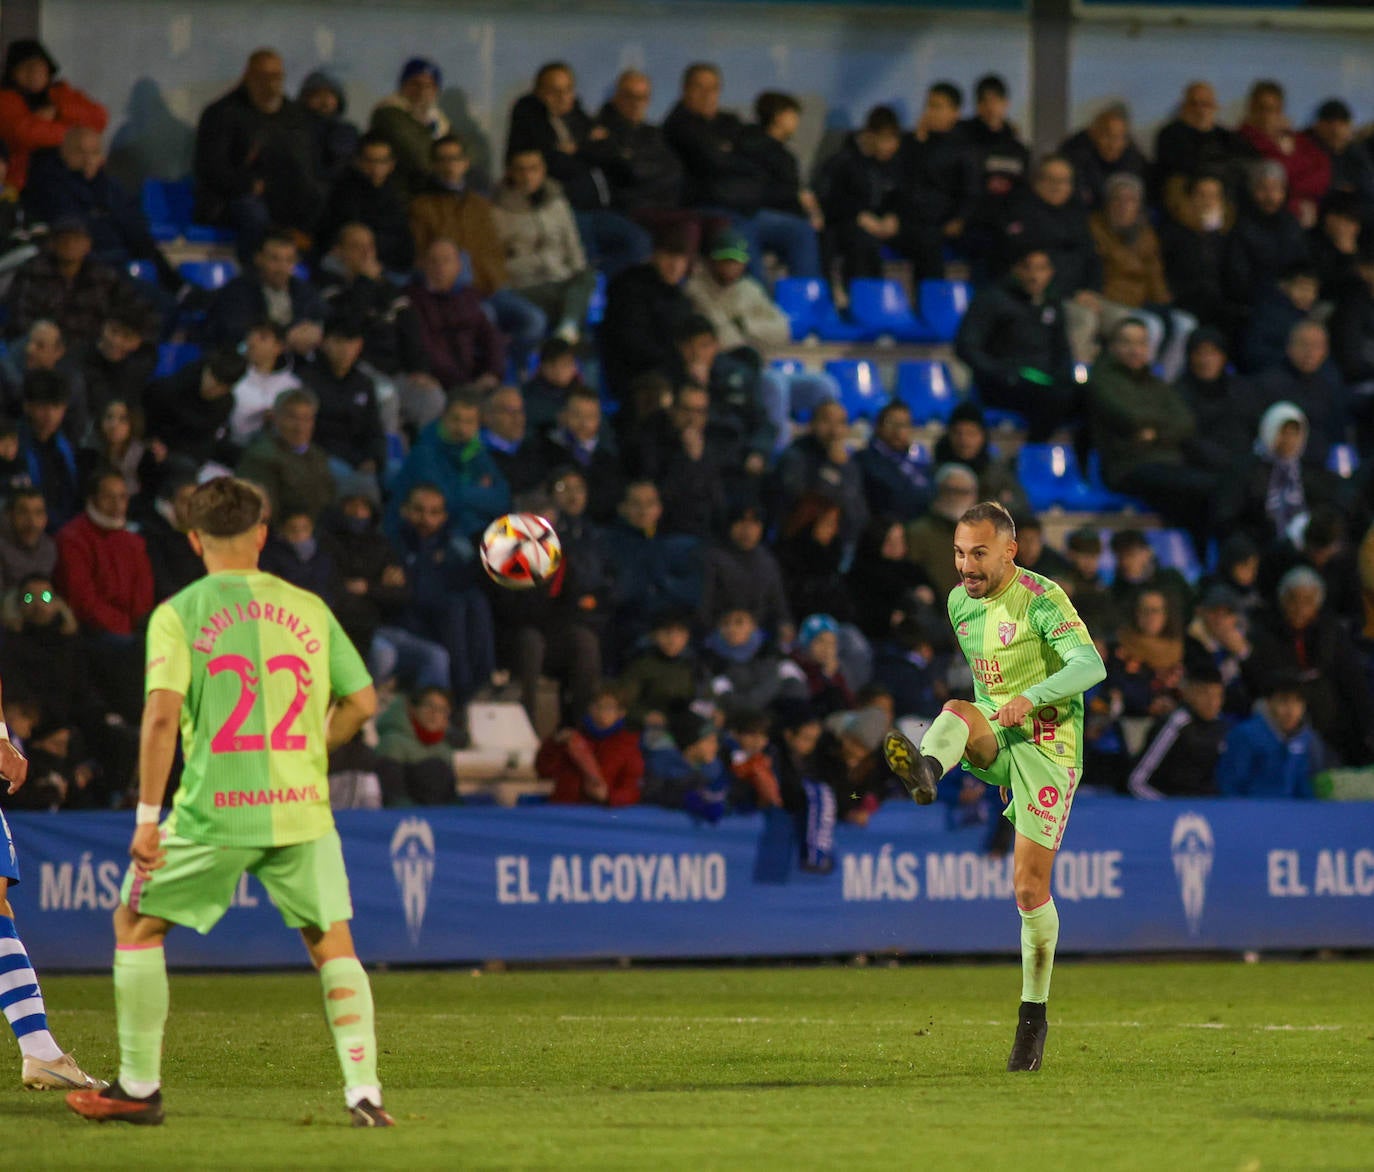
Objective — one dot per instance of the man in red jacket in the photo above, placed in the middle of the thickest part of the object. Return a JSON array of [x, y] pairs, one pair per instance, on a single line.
[[598, 762], [104, 574]]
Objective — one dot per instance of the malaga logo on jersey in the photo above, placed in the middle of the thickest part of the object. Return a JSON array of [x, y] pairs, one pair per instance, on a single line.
[[1006, 632]]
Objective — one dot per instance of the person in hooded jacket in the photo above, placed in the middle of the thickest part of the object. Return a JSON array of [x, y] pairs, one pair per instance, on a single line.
[[1224, 404], [37, 110], [336, 139]]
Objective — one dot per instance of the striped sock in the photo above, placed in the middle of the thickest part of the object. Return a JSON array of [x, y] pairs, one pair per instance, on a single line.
[[348, 1009], [22, 999]]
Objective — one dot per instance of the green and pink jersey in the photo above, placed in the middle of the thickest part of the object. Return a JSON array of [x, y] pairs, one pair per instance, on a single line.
[[257, 662], [1013, 642]]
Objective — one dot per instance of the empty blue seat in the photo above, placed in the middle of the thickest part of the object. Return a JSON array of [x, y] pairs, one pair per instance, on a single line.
[[807, 303], [208, 274], [787, 366], [861, 389], [926, 387], [941, 306], [1174, 550], [143, 270], [882, 308], [1049, 474], [1343, 460], [596, 307], [169, 205], [172, 356]]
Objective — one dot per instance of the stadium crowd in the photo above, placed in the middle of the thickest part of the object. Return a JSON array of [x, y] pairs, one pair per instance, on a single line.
[[752, 590]]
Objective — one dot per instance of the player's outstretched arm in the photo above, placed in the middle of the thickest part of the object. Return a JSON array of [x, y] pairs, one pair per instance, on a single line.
[[349, 714]]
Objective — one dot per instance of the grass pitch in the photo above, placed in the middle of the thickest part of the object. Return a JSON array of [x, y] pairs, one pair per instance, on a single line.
[[1178, 1066]]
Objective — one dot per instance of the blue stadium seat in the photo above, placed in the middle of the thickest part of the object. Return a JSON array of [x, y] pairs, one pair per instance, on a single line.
[[926, 387], [941, 306], [1174, 550], [1109, 501], [596, 308], [861, 389], [168, 204], [807, 303], [882, 308], [787, 366], [208, 274], [143, 270], [1049, 474], [172, 356], [1343, 460]]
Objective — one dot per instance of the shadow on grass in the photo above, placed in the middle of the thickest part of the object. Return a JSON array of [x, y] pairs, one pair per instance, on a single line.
[[1294, 1115]]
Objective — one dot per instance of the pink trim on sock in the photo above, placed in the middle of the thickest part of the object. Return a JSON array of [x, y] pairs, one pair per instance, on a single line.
[[1038, 906], [135, 947], [959, 716]]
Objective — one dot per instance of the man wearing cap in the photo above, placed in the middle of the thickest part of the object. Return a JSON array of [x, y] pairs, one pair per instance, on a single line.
[[930, 538], [256, 160], [411, 121], [1333, 132], [45, 450], [645, 306], [1217, 638]]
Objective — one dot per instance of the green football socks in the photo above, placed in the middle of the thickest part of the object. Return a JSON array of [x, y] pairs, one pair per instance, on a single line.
[[1039, 936], [945, 740], [141, 999], [348, 1009]]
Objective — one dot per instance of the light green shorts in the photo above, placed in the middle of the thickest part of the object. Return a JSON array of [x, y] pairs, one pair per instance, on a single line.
[[306, 881], [1041, 788]]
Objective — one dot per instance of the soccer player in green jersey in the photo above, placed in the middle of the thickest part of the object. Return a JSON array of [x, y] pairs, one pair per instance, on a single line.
[[246, 666], [1032, 660]]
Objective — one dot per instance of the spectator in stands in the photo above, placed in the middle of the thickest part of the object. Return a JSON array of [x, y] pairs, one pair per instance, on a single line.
[[336, 139], [578, 441], [1194, 243], [67, 285], [722, 177], [44, 348], [644, 174], [940, 182], [1352, 349], [550, 120], [1102, 149], [449, 457], [598, 761], [887, 581], [777, 116], [1267, 239], [1307, 380], [116, 443], [661, 681], [367, 193], [175, 564], [1084, 582], [653, 570], [589, 569], [256, 163], [645, 305], [189, 412], [1335, 244], [1013, 337], [1193, 144], [1225, 408], [1133, 280], [544, 257], [448, 602], [1238, 563], [1300, 637], [676, 450], [1033, 554], [1001, 158], [269, 373], [1270, 135], [37, 110], [413, 732], [860, 192], [462, 345], [286, 462], [905, 665], [26, 547], [1276, 752], [1137, 570], [553, 378], [120, 364], [819, 461], [1322, 545], [683, 769], [1270, 495], [44, 447], [1352, 170], [270, 291], [518, 456], [348, 426], [895, 472], [966, 442], [1140, 425], [39, 645], [930, 539], [1047, 214], [1217, 638], [294, 552], [1146, 665], [104, 574], [1273, 317], [411, 121], [851, 756], [73, 182], [1182, 750], [741, 573], [810, 553], [744, 670], [818, 655]]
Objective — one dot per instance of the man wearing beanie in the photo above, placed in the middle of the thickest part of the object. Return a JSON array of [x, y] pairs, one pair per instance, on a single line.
[[410, 120]]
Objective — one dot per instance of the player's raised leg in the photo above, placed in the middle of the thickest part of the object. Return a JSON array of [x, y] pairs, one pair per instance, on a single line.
[[46, 1065], [348, 1010], [1032, 870], [959, 731]]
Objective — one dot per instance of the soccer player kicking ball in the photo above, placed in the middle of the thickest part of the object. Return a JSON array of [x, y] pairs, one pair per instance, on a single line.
[[247, 666], [46, 1067], [1032, 660]]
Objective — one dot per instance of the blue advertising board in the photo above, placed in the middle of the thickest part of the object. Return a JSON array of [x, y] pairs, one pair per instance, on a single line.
[[456, 885]]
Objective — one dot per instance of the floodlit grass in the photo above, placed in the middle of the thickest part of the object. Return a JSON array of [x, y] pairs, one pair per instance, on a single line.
[[1176, 1066]]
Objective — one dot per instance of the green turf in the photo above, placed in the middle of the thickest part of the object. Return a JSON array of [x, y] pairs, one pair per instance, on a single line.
[[1174, 1066]]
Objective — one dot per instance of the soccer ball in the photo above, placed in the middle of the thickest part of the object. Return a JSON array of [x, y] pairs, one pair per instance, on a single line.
[[521, 550]]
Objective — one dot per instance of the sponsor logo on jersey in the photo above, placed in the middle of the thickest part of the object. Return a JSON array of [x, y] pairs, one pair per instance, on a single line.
[[1049, 797], [1006, 632], [1191, 845], [1064, 628], [412, 863]]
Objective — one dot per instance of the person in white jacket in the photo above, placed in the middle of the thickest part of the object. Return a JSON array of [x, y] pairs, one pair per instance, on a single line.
[[544, 257], [746, 318]]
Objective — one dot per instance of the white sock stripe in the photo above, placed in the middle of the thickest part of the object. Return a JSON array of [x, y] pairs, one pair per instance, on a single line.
[[13, 980], [10, 945], [26, 1008]]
